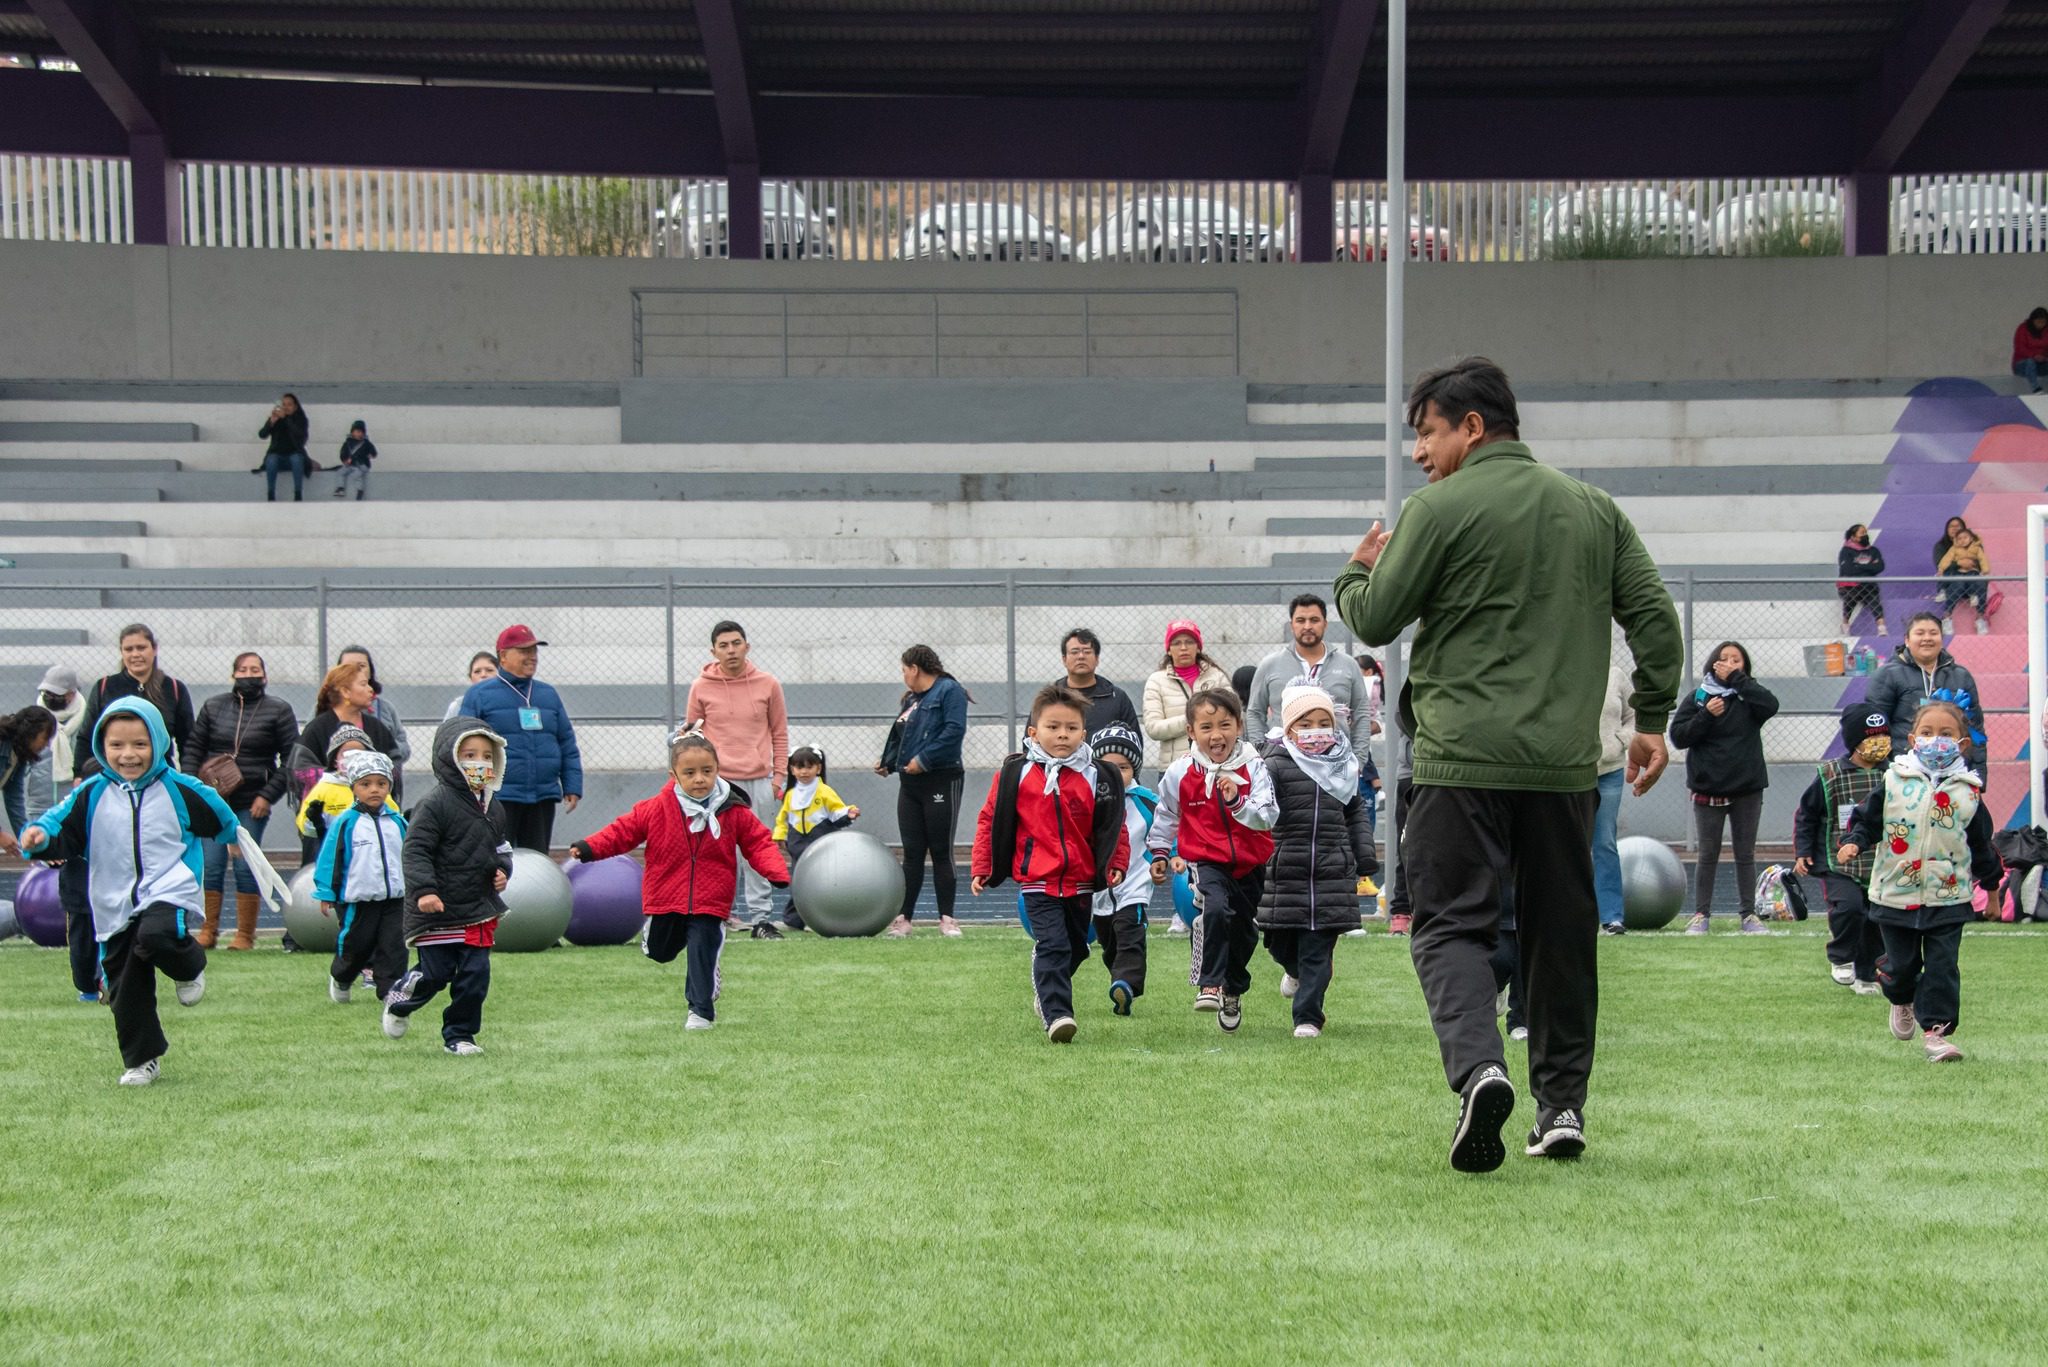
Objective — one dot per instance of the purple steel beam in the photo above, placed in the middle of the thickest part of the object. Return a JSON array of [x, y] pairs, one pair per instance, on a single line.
[[718, 26], [288, 18], [1917, 70], [1343, 37], [111, 55], [1866, 213]]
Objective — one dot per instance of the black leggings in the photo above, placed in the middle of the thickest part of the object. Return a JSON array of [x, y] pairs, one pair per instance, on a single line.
[[1742, 817], [927, 810]]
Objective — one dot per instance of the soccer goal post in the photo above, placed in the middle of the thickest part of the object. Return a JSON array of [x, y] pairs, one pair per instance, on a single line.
[[2037, 655]]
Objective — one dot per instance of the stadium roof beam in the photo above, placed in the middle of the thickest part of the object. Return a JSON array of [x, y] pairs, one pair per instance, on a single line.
[[1343, 37], [125, 72], [718, 27]]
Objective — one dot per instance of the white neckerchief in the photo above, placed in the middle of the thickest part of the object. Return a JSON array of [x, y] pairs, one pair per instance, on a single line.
[[1336, 773], [1715, 688], [803, 795], [1239, 756], [1082, 762], [703, 815]]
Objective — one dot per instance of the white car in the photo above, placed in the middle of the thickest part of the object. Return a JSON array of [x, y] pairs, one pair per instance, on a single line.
[[1743, 223], [1180, 229], [983, 231], [695, 222], [1651, 216], [1968, 217]]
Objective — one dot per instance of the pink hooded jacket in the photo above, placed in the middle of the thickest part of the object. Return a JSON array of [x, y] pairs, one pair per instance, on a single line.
[[745, 718]]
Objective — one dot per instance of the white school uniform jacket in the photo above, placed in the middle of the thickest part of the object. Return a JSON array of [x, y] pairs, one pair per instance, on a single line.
[[1136, 889], [361, 859]]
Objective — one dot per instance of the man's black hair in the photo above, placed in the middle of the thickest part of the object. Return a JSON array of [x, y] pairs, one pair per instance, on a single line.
[[1084, 636], [1308, 600], [724, 627], [1473, 385]]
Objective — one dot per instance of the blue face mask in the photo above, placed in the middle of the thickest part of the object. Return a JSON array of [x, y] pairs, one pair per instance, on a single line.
[[1936, 752]]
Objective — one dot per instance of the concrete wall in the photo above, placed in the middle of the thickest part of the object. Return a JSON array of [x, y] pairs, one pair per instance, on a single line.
[[88, 312]]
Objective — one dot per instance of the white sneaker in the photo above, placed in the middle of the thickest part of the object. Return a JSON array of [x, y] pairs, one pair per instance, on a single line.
[[1306, 1031], [396, 1026], [1500, 1004], [1288, 984], [1864, 989], [899, 928], [1357, 934], [464, 1048], [1061, 1031], [1176, 926], [1520, 1032], [949, 927], [697, 1022], [190, 993], [1842, 973], [336, 992], [140, 1076]]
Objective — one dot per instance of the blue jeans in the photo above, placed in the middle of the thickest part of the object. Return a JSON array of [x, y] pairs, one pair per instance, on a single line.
[[2030, 371], [274, 463], [215, 854], [1606, 850]]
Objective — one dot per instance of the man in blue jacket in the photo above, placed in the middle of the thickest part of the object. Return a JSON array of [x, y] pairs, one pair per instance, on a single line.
[[542, 764]]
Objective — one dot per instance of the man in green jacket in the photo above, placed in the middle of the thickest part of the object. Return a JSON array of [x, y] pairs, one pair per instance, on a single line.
[[1514, 572]]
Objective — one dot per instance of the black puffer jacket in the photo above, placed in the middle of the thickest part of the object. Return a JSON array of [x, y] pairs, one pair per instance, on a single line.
[[1725, 754], [456, 846], [269, 730], [1320, 847]]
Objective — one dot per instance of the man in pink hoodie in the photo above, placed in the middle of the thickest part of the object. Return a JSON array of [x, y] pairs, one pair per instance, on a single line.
[[744, 716]]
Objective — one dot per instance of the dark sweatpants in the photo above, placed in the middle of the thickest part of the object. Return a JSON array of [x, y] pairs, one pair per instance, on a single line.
[[1459, 840], [373, 934], [700, 939], [1059, 946], [1922, 969], [1227, 930], [465, 970], [1507, 972], [529, 825], [1853, 938], [1309, 956], [1399, 903], [793, 850], [1121, 934], [72, 879], [157, 940]]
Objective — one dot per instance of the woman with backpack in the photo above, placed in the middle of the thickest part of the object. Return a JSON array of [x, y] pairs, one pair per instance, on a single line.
[[241, 745]]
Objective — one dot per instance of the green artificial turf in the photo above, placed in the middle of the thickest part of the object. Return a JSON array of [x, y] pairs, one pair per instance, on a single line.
[[876, 1156]]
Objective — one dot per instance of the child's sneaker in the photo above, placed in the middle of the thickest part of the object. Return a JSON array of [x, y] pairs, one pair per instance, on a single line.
[[1289, 984], [1232, 1013], [1209, 999], [949, 927], [190, 993], [396, 1026], [1940, 1049], [337, 993], [141, 1075], [1752, 925], [1061, 1031], [1357, 934], [1367, 888], [899, 928], [464, 1047], [1398, 924], [1500, 1004], [765, 929], [1842, 973], [1307, 1031], [1488, 1101], [1120, 997], [1520, 1034], [1698, 924], [696, 1022], [1903, 1024], [1176, 926], [89, 998], [1863, 988]]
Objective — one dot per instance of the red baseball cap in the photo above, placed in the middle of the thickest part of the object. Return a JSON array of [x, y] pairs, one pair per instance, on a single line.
[[517, 638]]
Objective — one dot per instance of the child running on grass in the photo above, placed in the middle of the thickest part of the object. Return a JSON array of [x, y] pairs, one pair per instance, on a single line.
[[458, 856], [1120, 909], [361, 879], [1217, 802], [810, 812], [695, 829], [1054, 821], [1322, 845], [1821, 822], [139, 825], [1930, 814]]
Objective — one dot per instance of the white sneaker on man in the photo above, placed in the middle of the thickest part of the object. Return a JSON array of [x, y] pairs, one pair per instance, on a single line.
[[141, 1075], [190, 993]]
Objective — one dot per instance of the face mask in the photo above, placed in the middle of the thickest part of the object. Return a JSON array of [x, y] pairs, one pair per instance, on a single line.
[[1936, 752], [478, 772], [249, 690], [1875, 750], [1316, 741]]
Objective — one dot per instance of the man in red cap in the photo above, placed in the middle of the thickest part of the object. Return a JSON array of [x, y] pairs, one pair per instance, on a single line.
[[543, 766]]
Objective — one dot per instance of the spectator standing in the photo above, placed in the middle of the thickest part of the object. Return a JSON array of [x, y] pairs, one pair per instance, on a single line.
[[25, 739], [924, 750], [1185, 671], [1617, 728], [58, 694], [1720, 727], [543, 766], [346, 698], [383, 711], [1108, 705], [356, 454], [2030, 348], [286, 429], [742, 712], [1922, 671], [1310, 661], [139, 678], [482, 665], [1859, 563], [258, 733]]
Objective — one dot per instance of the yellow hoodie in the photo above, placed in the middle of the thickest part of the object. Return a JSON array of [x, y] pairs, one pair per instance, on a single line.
[[823, 808]]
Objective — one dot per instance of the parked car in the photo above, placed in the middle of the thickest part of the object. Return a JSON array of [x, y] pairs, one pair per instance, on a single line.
[[1650, 217], [1969, 217], [983, 231], [1179, 229], [1362, 233], [1745, 224], [695, 222]]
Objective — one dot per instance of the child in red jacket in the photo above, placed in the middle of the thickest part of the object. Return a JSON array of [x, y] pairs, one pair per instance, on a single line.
[[1217, 801], [695, 830], [1054, 821]]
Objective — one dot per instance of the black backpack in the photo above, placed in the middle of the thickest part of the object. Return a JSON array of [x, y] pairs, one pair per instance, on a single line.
[[1109, 820]]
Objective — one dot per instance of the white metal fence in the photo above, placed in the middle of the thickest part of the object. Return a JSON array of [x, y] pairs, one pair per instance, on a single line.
[[1012, 222]]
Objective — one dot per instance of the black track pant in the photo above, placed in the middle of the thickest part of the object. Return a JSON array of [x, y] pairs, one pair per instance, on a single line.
[[1059, 946], [793, 850], [701, 942], [1461, 842], [372, 934], [1743, 815], [1227, 928], [1853, 938], [1309, 956], [1121, 934], [530, 825], [83, 945], [157, 940], [927, 813], [1398, 901], [465, 970], [1507, 972], [1922, 969]]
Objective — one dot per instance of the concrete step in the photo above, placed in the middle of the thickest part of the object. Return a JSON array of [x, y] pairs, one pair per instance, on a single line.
[[98, 430], [123, 465], [40, 636], [66, 560], [13, 528]]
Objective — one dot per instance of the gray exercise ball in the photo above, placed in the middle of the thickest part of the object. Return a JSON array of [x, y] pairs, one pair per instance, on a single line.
[[9, 927], [312, 932], [538, 904], [848, 884], [1652, 883]]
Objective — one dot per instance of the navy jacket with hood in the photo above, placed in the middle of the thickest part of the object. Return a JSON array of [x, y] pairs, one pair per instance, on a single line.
[[1902, 688], [456, 841]]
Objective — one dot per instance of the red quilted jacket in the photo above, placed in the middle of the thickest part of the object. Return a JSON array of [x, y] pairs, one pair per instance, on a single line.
[[691, 874]]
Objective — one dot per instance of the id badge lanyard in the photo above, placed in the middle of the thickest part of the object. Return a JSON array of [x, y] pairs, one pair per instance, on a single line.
[[529, 715]]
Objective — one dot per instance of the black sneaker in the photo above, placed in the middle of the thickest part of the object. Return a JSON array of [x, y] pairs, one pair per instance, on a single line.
[[1232, 1014], [1558, 1134], [765, 930], [1488, 1101], [1613, 928]]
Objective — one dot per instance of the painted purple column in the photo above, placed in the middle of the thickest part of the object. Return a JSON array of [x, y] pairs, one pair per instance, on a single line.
[[1315, 235], [743, 212], [158, 214], [1866, 214]]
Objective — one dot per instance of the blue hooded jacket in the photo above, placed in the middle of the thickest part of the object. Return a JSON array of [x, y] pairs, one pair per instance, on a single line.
[[141, 840]]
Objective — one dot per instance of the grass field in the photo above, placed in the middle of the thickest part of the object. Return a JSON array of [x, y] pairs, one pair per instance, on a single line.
[[876, 1156]]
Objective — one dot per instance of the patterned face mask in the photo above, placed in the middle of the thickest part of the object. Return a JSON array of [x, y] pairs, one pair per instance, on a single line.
[[1937, 752], [1875, 750], [1320, 740], [478, 772]]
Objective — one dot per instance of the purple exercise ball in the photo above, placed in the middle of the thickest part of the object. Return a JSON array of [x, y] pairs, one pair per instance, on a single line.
[[604, 901], [37, 908]]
